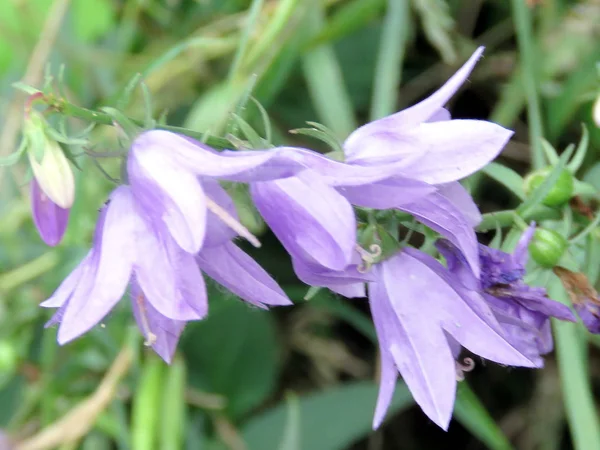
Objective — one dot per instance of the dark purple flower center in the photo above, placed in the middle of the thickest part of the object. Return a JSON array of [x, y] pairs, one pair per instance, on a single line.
[[498, 267]]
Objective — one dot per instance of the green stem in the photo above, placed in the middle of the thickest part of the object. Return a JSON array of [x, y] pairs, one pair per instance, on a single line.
[[62, 106], [29, 271], [507, 218], [522, 18]]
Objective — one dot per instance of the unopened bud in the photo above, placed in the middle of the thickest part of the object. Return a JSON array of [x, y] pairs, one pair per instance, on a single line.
[[559, 194], [48, 162], [596, 111], [547, 247]]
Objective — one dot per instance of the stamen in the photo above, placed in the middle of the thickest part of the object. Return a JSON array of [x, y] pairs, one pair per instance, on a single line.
[[150, 336], [231, 222], [461, 368], [368, 257]]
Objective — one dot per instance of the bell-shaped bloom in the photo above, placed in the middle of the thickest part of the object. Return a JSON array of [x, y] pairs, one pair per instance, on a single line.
[[438, 151], [313, 221], [167, 287], [53, 173], [50, 219], [169, 176], [421, 315], [524, 311], [442, 150]]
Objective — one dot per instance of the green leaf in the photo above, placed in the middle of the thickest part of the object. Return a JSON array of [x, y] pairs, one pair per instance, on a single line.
[[349, 17], [320, 135], [581, 151], [506, 177], [173, 408], [389, 60], [247, 32], [92, 20], [13, 158], [235, 353], [326, 83], [146, 404], [471, 413], [25, 88], [251, 135], [329, 420], [438, 25], [291, 435]]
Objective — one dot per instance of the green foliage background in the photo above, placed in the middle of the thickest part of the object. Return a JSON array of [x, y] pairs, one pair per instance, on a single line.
[[300, 378]]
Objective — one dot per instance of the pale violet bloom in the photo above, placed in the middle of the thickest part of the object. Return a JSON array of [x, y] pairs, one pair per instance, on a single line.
[[50, 219], [523, 311], [439, 151], [167, 286], [304, 196], [421, 314]]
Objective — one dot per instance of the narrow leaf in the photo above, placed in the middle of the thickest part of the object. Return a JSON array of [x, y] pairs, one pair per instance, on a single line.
[[506, 177]]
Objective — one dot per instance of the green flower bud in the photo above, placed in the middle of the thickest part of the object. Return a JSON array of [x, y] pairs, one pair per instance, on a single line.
[[547, 247], [559, 194], [48, 162]]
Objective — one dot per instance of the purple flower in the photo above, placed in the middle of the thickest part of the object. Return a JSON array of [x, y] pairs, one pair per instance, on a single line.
[[589, 313], [422, 314], [524, 311], [439, 151], [305, 197], [50, 219], [167, 287]]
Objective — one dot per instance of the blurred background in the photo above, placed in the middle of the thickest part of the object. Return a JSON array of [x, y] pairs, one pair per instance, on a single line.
[[296, 378]]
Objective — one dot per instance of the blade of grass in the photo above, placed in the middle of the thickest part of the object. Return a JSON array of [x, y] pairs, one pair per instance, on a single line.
[[522, 19], [572, 365], [253, 13], [325, 82], [471, 413], [389, 61]]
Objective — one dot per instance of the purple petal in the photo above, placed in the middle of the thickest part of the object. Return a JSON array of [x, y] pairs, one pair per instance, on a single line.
[[439, 214], [66, 288], [217, 233], [165, 331], [237, 271], [103, 283], [361, 144], [460, 197], [589, 312], [50, 219], [521, 252], [312, 220], [457, 264], [169, 276], [429, 282], [417, 344], [453, 149], [389, 372], [385, 194], [440, 115], [170, 195], [354, 290]]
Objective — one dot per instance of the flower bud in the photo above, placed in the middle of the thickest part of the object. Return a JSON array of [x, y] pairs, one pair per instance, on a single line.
[[596, 111], [49, 164], [50, 219], [547, 247], [559, 194]]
